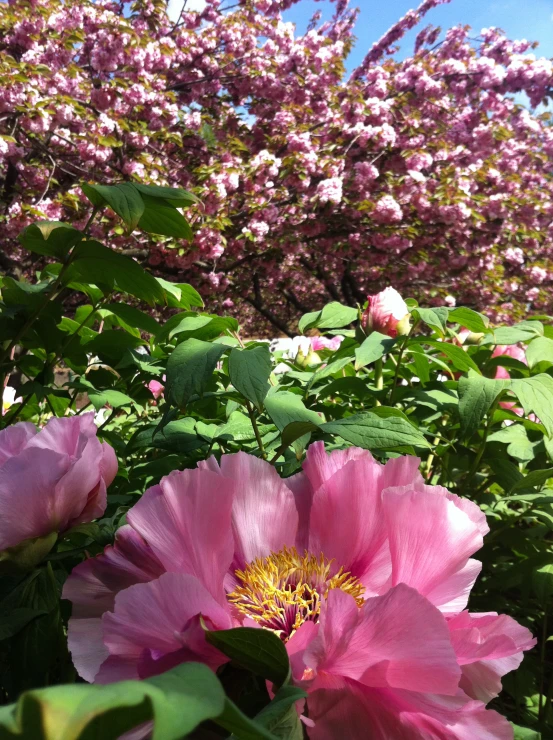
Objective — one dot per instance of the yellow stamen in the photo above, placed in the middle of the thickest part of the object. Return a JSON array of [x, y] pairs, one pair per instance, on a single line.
[[284, 590]]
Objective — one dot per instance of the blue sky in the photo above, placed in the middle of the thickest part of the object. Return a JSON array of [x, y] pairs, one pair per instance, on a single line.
[[529, 19]]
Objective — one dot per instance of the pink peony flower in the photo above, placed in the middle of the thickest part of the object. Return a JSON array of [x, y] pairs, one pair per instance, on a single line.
[[372, 569], [386, 313], [509, 351], [156, 388], [51, 480]]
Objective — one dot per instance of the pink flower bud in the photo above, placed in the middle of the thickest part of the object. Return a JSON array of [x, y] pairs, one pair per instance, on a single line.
[[156, 388], [386, 313]]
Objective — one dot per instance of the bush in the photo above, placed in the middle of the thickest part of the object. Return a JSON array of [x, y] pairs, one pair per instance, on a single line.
[[471, 400]]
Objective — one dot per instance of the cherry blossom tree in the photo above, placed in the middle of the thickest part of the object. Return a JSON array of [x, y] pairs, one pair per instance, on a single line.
[[425, 173]]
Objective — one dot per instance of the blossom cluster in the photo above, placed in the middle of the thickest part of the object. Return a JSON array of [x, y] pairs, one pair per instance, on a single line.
[[425, 171]]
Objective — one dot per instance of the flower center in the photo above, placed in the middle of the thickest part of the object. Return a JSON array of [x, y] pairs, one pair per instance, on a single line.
[[285, 589]]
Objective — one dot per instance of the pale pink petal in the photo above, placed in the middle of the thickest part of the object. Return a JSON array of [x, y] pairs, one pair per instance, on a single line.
[[28, 505], [487, 647], [157, 625], [92, 586], [431, 540], [346, 521], [398, 640], [85, 639], [451, 594], [320, 465], [68, 434], [358, 713], [14, 439], [264, 515], [79, 488], [186, 520], [296, 647]]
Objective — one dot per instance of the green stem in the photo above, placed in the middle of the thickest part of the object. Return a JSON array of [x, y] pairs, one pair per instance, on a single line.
[[251, 414], [476, 463], [543, 705], [379, 378], [399, 360]]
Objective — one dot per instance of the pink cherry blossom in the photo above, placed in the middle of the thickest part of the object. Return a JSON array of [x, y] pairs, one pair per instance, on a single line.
[[385, 312], [381, 644], [53, 479]]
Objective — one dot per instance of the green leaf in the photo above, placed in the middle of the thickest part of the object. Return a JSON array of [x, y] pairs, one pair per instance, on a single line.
[[280, 715], [256, 650], [178, 701], [373, 348], [176, 436], [123, 198], [539, 350], [295, 430], [435, 318], [284, 407], [13, 621], [95, 263], [178, 196], [532, 479], [160, 217], [189, 369], [235, 721], [509, 335], [525, 733], [134, 317], [459, 357], [542, 580], [114, 398], [332, 316], [180, 295], [518, 444], [112, 344], [333, 367], [536, 394], [476, 396], [373, 432], [249, 371], [52, 238], [470, 319]]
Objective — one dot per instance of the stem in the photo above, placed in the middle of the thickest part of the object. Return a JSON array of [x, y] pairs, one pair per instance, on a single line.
[[251, 414], [379, 379], [474, 468], [399, 359], [542, 706]]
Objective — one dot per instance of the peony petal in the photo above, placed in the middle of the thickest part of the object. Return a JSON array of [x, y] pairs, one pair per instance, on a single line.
[[264, 515], [14, 439], [346, 517], [398, 640], [92, 586], [68, 434], [487, 647], [186, 519], [430, 540], [154, 620], [77, 490], [28, 505], [356, 713]]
